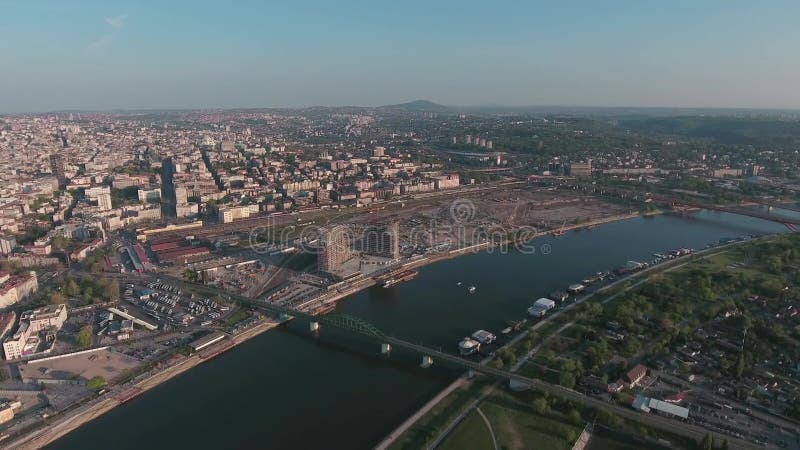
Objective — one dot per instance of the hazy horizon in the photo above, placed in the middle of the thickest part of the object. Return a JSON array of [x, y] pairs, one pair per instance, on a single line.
[[102, 56]]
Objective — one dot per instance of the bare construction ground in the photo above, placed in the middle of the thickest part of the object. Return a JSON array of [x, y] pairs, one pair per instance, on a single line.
[[437, 221], [104, 363]]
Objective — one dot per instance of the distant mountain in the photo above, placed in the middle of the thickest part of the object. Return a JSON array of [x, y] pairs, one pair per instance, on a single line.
[[420, 105]]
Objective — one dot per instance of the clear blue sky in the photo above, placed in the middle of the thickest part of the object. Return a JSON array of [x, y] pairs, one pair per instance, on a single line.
[[195, 54]]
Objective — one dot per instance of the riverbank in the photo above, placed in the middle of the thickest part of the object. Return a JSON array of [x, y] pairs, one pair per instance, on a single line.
[[393, 439], [123, 393], [330, 298], [287, 369]]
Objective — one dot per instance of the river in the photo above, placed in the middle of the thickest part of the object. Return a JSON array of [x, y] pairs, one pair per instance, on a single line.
[[285, 389]]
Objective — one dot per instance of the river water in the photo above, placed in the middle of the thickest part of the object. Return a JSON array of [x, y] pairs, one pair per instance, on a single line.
[[286, 389]]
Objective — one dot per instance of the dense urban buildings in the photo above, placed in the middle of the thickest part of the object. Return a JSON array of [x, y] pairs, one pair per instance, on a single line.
[[213, 226]]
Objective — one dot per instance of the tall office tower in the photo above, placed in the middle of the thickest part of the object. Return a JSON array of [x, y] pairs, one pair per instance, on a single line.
[[58, 167], [383, 240], [335, 249]]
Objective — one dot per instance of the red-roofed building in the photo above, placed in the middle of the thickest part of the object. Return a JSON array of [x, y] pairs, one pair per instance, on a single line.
[[182, 255], [675, 398], [636, 374]]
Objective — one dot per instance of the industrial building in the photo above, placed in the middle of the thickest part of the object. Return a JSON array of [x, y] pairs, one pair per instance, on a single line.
[[648, 404], [581, 169], [207, 340]]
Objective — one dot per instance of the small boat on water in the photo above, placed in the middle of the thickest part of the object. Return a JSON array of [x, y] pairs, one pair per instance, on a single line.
[[458, 284], [468, 346], [484, 337], [471, 289]]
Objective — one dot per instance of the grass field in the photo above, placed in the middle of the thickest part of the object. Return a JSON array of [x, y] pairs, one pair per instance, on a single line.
[[516, 426], [471, 433], [429, 426]]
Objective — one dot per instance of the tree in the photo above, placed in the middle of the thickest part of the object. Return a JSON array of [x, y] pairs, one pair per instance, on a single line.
[[57, 298], [740, 365], [190, 275], [541, 406], [707, 443], [71, 288], [574, 417], [60, 242], [566, 379], [96, 382], [610, 419], [95, 267], [111, 291], [84, 337]]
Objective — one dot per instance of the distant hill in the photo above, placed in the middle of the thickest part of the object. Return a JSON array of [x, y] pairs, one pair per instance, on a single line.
[[420, 105]]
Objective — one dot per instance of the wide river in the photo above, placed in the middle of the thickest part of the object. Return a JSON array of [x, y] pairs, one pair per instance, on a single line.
[[286, 389]]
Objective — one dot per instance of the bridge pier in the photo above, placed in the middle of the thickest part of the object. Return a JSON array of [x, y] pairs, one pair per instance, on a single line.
[[313, 326], [427, 361], [386, 349]]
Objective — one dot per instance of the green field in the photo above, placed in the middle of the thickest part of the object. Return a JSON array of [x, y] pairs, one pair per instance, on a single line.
[[516, 425], [430, 425], [471, 433]]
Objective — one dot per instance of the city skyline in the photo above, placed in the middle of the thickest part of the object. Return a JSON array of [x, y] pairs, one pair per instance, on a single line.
[[110, 56]]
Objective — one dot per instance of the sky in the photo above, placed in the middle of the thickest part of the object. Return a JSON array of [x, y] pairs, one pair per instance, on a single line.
[[175, 54]]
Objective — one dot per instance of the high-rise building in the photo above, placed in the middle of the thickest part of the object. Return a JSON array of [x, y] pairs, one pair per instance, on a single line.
[[335, 249], [58, 167], [383, 240]]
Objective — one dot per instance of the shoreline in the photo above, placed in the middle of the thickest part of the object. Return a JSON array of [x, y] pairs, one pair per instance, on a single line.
[[421, 412], [48, 433]]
